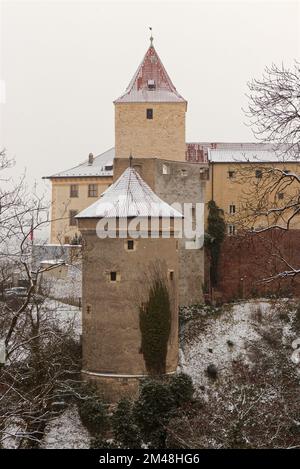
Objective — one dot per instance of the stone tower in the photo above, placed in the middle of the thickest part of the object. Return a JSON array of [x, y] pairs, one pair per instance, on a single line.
[[115, 274], [150, 115], [150, 125]]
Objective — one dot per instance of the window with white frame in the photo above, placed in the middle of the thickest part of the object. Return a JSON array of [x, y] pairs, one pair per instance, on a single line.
[[93, 190], [231, 230]]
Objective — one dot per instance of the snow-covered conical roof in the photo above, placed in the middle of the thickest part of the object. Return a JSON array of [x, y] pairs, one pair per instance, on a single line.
[[129, 196]]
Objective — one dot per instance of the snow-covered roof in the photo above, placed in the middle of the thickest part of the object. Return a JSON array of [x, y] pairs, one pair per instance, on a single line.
[[245, 156], [53, 261], [200, 152], [150, 83], [101, 166], [129, 196], [234, 145]]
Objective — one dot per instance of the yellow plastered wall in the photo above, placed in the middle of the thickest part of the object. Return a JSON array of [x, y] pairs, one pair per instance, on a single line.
[[226, 191], [62, 203], [161, 137]]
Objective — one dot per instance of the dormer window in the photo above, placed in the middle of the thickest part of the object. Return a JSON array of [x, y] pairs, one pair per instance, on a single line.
[[151, 85]]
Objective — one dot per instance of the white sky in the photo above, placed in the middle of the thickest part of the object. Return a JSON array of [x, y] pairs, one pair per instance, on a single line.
[[63, 63]]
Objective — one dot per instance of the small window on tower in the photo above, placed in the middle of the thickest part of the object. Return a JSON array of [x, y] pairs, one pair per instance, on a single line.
[[130, 245], [113, 276], [151, 85], [149, 113]]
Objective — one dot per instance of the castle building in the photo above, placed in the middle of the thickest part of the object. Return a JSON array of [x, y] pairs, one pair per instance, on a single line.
[[151, 165], [117, 274], [238, 179], [150, 171], [150, 126], [219, 163]]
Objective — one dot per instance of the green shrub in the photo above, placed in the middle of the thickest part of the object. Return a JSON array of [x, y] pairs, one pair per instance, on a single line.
[[152, 411], [155, 326], [182, 389], [216, 229], [99, 443], [94, 415], [126, 432]]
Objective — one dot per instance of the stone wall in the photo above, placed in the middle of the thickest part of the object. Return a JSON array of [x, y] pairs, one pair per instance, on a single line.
[[246, 260], [176, 181], [161, 137], [111, 334]]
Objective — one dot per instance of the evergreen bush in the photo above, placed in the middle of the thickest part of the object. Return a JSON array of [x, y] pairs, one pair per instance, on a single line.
[[152, 411], [155, 326], [125, 430], [93, 414], [182, 388], [216, 229]]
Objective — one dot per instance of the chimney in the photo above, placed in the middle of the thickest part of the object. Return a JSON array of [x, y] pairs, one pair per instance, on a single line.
[[91, 158]]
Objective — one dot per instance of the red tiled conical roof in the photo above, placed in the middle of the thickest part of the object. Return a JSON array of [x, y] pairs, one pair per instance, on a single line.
[[150, 83]]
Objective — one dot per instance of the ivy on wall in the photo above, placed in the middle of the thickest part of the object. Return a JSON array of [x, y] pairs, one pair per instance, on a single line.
[[216, 229], [155, 326]]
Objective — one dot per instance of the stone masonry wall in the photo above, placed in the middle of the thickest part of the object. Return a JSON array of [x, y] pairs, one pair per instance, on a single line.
[[160, 137], [183, 184], [246, 260]]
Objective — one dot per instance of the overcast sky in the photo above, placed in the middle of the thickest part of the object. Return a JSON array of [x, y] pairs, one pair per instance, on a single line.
[[63, 63]]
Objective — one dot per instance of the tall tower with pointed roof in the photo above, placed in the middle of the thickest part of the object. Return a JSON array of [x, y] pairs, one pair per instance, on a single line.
[[150, 115]]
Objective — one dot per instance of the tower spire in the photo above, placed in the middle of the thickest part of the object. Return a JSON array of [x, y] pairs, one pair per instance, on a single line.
[[151, 37]]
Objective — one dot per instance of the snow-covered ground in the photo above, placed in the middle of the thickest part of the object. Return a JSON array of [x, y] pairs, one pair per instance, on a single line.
[[66, 432], [67, 287], [65, 315], [208, 336], [217, 337], [220, 337]]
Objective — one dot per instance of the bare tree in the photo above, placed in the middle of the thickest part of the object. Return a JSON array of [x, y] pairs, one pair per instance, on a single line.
[[274, 108], [42, 359], [271, 191]]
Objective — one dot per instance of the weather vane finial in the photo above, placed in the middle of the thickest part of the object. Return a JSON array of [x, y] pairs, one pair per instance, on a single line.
[[151, 37]]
